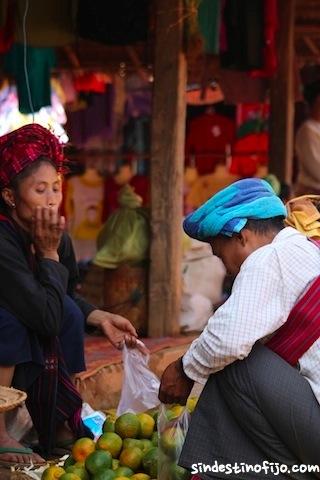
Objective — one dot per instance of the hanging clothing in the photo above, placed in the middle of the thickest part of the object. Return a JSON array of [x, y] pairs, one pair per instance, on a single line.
[[138, 98], [136, 135], [244, 22], [252, 118], [249, 153], [113, 23], [209, 16], [91, 82], [251, 111], [271, 25], [136, 141], [40, 61], [207, 185], [208, 135], [83, 206], [94, 121]]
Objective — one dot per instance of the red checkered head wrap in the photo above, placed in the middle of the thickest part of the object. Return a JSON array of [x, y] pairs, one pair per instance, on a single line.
[[23, 146]]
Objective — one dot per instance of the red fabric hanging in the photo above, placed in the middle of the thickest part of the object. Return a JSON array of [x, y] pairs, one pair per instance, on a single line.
[[248, 153], [271, 25], [208, 134]]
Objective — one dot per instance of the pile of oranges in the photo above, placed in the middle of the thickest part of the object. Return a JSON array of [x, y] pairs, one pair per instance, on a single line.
[[127, 449]]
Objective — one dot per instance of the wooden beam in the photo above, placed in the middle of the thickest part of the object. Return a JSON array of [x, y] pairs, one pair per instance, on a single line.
[[167, 165], [310, 30], [282, 97], [312, 46]]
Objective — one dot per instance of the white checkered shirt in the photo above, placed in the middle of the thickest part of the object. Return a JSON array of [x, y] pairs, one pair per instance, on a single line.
[[269, 283]]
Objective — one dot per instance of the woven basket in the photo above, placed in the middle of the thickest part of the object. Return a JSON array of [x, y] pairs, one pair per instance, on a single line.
[[126, 293], [10, 398]]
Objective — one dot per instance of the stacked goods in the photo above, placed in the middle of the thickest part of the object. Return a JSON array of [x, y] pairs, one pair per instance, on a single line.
[[129, 448]]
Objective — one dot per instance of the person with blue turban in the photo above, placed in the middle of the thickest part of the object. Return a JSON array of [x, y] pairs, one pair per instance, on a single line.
[[259, 355]]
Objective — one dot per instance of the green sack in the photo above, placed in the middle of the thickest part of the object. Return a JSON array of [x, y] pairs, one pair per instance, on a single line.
[[125, 236]]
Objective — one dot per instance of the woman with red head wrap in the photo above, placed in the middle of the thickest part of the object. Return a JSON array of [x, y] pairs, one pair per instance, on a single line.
[[42, 320]]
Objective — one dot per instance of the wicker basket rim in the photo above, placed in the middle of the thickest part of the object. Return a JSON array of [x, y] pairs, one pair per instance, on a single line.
[[10, 398]]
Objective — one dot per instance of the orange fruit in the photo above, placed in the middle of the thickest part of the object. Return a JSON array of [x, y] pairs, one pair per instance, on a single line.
[[104, 475], [145, 444], [111, 414], [178, 473], [115, 464], [132, 442], [97, 460], [147, 424], [111, 442], [171, 441], [191, 403], [140, 476], [155, 439], [82, 448], [123, 478], [69, 461], [131, 457], [52, 473], [108, 426], [176, 411], [69, 476], [79, 469], [154, 413], [124, 472], [150, 462], [127, 425]]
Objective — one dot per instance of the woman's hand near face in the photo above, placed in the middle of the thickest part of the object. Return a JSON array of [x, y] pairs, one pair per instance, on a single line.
[[47, 228]]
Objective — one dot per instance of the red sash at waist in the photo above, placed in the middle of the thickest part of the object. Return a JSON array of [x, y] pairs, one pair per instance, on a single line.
[[302, 327]]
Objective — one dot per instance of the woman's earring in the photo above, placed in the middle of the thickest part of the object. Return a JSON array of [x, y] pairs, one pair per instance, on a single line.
[[13, 205]]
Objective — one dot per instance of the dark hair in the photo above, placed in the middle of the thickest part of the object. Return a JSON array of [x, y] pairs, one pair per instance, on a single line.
[[262, 226], [311, 92], [16, 181], [266, 225]]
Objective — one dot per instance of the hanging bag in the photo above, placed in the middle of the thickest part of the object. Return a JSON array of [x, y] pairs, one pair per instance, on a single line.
[[172, 434], [140, 386]]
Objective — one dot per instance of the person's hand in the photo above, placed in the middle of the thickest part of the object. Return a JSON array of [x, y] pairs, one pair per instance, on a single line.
[[117, 329], [175, 385], [46, 231]]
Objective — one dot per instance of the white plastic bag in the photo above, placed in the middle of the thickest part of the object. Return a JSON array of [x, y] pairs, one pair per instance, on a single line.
[[140, 386], [171, 439]]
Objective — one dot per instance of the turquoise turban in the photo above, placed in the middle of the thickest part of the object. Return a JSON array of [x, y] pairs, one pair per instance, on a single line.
[[228, 211]]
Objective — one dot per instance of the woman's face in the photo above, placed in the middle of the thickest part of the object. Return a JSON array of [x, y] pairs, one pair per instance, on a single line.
[[42, 188]]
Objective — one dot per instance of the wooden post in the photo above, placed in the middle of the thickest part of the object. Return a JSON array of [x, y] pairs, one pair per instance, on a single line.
[[167, 166], [282, 97]]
